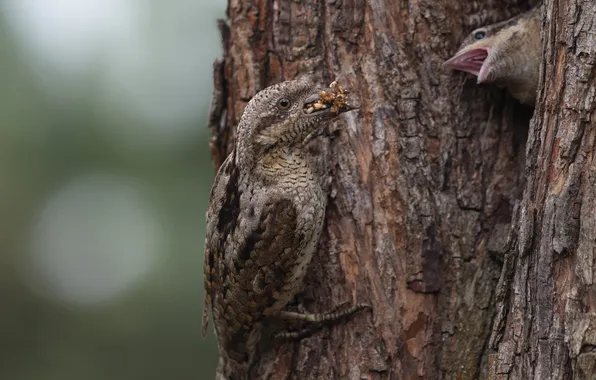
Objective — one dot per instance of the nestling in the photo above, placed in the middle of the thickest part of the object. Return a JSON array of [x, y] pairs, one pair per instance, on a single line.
[[507, 54], [264, 219]]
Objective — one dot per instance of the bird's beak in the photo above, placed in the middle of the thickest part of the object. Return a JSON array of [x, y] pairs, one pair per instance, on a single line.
[[314, 97], [331, 106], [470, 60]]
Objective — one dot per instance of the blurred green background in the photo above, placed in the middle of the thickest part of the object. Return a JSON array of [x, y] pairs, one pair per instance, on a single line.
[[104, 178]]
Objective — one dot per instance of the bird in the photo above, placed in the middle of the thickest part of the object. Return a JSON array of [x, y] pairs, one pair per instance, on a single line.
[[265, 216], [507, 54]]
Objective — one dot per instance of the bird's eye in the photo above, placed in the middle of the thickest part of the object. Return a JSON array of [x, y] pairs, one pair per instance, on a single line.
[[478, 35], [284, 103]]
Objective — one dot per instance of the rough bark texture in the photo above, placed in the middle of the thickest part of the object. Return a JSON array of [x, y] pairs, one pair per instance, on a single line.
[[425, 177], [546, 322]]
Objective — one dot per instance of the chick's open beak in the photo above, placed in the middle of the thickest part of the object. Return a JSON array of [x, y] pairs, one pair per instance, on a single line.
[[468, 60]]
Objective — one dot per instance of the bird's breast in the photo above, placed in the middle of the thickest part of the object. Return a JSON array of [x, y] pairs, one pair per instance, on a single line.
[[310, 202]]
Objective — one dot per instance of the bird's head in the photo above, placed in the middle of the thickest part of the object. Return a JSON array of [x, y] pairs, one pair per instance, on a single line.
[[491, 53], [283, 115]]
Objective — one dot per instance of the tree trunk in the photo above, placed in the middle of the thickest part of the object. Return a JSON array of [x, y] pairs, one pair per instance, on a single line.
[[425, 177], [546, 322]]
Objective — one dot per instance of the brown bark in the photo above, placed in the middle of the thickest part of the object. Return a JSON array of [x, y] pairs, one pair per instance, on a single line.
[[546, 326], [425, 177]]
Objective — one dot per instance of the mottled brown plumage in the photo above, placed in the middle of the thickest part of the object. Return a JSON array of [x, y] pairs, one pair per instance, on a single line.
[[506, 54], [264, 220]]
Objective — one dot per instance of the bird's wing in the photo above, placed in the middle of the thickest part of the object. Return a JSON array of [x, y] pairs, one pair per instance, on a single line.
[[222, 214], [250, 250], [256, 272]]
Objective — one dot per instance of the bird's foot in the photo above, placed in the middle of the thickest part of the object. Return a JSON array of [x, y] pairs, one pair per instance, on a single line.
[[341, 311]]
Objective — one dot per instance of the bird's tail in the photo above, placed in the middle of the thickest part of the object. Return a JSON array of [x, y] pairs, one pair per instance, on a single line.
[[229, 369]]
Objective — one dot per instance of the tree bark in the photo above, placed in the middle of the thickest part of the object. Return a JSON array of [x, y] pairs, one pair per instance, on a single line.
[[546, 322], [425, 176]]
